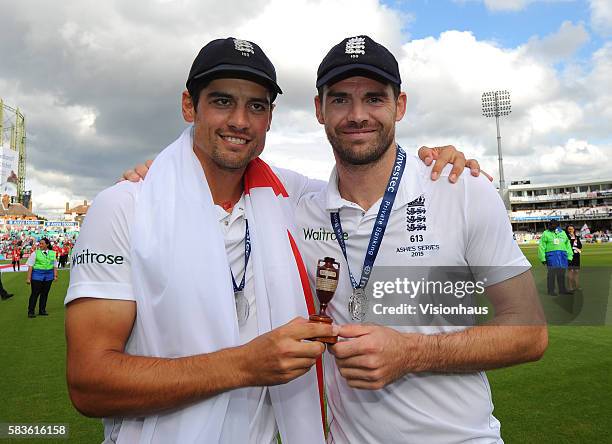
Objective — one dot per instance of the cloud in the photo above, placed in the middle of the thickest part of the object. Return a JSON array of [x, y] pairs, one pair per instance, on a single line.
[[100, 84], [558, 46], [510, 5], [445, 77], [506, 5], [574, 159], [601, 16]]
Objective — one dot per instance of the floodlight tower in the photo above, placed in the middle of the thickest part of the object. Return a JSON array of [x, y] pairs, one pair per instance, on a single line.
[[17, 142], [495, 104]]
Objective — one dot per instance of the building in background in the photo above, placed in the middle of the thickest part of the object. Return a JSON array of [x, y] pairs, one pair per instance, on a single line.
[[76, 214], [13, 210], [577, 203]]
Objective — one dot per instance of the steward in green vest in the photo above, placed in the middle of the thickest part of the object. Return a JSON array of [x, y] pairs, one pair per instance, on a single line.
[[555, 251], [41, 274], [45, 260]]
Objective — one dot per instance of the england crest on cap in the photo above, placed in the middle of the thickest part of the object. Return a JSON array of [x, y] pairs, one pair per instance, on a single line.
[[244, 47], [355, 46]]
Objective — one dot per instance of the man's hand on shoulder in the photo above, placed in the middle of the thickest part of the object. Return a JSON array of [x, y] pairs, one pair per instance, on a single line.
[[138, 173], [443, 155]]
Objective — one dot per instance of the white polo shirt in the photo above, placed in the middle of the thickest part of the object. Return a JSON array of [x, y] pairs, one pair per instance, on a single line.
[[101, 269], [460, 224]]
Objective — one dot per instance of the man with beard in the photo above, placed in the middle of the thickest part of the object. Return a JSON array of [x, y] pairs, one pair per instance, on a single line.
[[420, 383]]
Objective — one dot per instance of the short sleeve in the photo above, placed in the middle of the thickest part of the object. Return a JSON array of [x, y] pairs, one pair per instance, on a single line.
[[491, 248], [100, 260], [31, 259], [298, 185]]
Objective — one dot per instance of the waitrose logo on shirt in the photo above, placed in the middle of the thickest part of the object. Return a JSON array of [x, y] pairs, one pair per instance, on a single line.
[[320, 234], [90, 257]]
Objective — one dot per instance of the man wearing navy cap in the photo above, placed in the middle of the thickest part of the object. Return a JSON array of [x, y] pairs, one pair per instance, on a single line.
[[424, 382], [209, 348]]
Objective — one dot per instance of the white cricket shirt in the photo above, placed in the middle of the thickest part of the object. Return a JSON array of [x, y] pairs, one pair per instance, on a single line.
[[101, 269], [460, 224]]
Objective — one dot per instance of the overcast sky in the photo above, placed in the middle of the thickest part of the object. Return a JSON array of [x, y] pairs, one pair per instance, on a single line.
[[100, 81]]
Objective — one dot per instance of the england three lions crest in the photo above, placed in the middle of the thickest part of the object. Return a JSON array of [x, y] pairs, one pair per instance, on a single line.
[[416, 215]]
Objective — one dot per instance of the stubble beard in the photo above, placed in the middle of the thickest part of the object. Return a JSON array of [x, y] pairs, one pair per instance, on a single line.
[[231, 161], [375, 150], [226, 162]]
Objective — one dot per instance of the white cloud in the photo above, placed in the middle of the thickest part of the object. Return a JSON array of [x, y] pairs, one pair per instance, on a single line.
[[560, 45], [506, 5], [50, 200], [601, 16], [445, 77], [100, 84], [558, 115], [510, 5], [574, 160]]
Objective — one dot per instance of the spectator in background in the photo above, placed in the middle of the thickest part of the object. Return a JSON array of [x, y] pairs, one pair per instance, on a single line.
[[16, 256], [555, 252], [57, 248], [42, 272], [574, 264], [64, 252]]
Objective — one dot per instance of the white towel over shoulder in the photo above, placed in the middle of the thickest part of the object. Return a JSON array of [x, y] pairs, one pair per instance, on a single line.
[[185, 302]]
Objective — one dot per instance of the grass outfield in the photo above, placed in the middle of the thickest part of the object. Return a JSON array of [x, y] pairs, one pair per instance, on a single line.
[[32, 373], [564, 398]]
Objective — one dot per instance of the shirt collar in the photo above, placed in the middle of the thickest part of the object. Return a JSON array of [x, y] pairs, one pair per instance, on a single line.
[[412, 186], [237, 211]]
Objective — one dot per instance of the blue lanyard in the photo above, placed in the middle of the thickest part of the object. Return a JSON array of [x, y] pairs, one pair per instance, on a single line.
[[382, 219], [247, 254]]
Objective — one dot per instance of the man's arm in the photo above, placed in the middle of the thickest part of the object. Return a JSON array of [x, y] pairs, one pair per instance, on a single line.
[[441, 156], [30, 264], [377, 356], [105, 381]]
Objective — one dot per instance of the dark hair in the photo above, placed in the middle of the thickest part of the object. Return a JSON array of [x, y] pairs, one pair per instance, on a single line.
[[46, 239], [567, 230], [195, 88]]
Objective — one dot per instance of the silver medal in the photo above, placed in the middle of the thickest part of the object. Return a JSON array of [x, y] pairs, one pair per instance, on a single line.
[[242, 307], [358, 304]]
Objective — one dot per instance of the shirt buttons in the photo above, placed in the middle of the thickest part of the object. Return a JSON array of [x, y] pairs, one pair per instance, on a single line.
[[226, 223]]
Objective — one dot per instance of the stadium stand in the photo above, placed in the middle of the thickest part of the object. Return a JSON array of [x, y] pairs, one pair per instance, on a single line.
[[586, 205]]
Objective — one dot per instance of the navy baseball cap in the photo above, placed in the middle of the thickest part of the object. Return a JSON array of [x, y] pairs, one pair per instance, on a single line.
[[358, 55], [234, 57]]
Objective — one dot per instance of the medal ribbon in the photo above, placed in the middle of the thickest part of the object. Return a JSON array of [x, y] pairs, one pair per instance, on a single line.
[[247, 254], [380, 225]]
